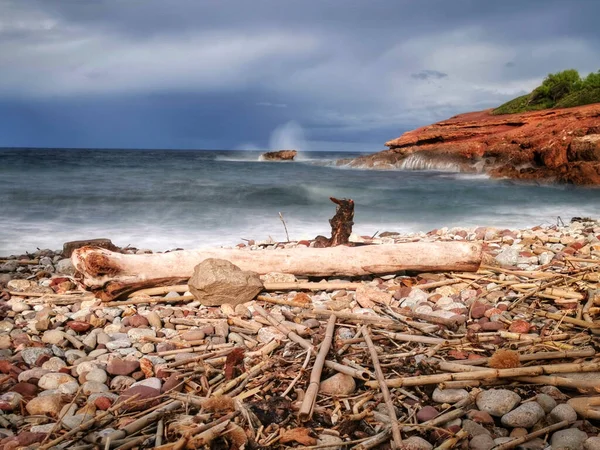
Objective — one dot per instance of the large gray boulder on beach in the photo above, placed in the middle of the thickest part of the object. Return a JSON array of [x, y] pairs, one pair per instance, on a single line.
[[217, 281]]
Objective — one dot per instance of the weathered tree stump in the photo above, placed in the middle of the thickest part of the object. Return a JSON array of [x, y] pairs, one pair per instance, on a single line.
[[341, 224]]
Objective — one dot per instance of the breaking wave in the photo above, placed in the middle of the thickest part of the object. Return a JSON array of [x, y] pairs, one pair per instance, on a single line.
[[422, 162]]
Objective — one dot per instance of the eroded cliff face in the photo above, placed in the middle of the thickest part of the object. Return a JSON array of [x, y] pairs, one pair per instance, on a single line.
[[561, 145]]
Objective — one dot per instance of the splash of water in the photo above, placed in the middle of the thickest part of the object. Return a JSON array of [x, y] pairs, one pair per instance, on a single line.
[[288, 136], [420, 162]]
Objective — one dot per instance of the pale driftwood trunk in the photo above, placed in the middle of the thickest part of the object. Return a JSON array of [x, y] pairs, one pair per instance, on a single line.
[[111, 274]]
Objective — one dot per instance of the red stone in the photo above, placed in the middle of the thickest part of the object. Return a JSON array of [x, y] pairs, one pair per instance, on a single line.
[[492, 311], [103, 403], [492, 326], [480, 417], [78, 326], [147, 398], [478, 310], [172, 384], [118, 366], [27, 390], [519, 326], [137, 321], [427, 413]]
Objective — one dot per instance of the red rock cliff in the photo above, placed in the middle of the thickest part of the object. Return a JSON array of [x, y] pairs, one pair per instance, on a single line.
[[555, 145]]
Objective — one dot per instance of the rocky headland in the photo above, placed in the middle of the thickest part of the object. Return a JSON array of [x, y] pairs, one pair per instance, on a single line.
[[552, 145]]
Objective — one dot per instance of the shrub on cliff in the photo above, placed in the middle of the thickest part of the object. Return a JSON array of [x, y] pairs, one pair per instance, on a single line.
[[559, 90], [581, 97]]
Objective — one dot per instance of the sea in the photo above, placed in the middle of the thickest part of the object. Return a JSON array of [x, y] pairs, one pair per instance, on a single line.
[[167, 199]]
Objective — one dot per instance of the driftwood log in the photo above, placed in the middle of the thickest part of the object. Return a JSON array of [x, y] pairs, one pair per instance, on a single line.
[[110, 274]]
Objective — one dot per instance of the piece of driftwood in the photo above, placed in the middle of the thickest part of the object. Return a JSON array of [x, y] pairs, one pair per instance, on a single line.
[[341, 224], [110, 274], [307, 407], [481, 373], [397, 444]]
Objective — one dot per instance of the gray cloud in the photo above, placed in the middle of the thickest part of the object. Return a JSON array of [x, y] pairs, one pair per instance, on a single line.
[[344, 69], [429, 75]]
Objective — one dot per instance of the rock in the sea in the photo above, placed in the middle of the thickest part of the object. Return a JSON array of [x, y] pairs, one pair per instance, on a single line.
[[281, 155], [497, 402], [338, 384], [217, 281], [525, 415]]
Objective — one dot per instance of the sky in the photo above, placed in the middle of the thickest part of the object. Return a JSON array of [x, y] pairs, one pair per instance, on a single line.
[[271, 74]]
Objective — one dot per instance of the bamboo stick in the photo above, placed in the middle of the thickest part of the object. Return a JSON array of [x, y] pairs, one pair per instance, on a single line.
[[285, 330], [142, 422], [307, 407], [450, 443], [141, 301], [397, 444], [488, 373], [352, 371], [584, 353], [293, 286], [87, 424], [567, 319]]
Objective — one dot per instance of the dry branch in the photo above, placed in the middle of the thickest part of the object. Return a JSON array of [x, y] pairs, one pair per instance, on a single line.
[[306, 409], [384, 389]]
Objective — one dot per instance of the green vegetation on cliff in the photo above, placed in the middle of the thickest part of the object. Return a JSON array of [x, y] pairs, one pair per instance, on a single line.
[[559, 90]]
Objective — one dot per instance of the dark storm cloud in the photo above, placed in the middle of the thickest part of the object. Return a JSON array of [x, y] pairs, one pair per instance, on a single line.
[[195, 73]]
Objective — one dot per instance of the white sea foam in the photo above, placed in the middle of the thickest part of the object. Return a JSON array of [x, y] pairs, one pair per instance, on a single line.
[[422, 162]]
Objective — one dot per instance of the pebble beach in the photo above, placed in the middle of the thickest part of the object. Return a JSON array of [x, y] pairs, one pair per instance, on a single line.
[[501, 358]]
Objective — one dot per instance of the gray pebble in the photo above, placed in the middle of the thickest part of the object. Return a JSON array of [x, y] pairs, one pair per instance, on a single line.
[[449, 395], [546, 402], [592, 443], [562, 412], [525, 415], [481, 442], [497, 402], [31, 354], [417, 443], [569, 439]]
